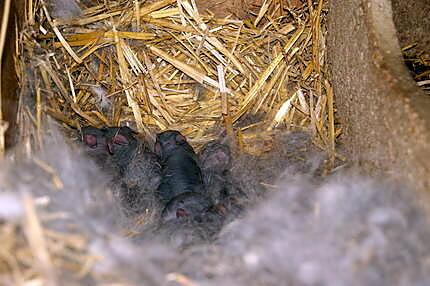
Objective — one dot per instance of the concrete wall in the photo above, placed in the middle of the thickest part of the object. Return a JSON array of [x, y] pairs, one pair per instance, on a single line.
[[385, 115]]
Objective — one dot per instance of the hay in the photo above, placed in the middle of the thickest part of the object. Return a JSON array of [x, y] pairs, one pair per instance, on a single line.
[[418, 63], [158, 67]]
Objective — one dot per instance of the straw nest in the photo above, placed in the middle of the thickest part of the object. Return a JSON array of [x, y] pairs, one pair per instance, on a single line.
[[159, 65], [163, 65]]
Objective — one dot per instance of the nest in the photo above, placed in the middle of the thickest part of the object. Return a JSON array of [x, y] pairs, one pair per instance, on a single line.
[[163, 65], [157, 66]]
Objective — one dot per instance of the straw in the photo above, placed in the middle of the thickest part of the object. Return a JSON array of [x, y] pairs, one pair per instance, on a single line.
[[177, 68]]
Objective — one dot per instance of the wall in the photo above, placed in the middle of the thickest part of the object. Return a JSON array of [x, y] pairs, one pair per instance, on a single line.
[[9, 84], [385, 115]]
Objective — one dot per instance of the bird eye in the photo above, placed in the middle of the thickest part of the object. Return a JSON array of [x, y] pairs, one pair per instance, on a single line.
[[120, 140], [90, 140]]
